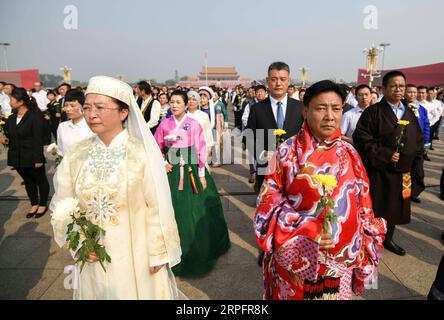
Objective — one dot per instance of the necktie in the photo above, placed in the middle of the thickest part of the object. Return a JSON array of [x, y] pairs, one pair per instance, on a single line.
[[280, 116]]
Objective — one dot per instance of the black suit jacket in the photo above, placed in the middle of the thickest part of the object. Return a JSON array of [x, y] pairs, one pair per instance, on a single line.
[[25, 140], [261, 117]]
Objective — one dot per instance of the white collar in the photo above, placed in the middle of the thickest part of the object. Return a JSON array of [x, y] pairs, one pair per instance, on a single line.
[[179, 123], [283, 100], [81, 123], [118, 139]]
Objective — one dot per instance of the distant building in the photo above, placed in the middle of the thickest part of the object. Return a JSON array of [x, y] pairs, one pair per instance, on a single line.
[[223, 77]]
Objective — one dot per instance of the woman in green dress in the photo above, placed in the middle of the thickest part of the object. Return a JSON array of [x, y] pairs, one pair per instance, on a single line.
[[202, 228]]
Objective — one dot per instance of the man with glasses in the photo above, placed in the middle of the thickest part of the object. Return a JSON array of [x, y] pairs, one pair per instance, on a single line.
[[390, 166]]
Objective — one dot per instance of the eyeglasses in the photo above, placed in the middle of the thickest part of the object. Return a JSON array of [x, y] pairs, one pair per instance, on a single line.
[[97, 110]]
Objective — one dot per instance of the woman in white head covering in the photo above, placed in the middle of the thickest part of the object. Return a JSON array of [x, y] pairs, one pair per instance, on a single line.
[[194, 113], [119, 179]]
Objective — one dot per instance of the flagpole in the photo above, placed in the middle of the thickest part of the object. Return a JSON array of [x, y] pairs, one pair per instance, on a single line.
[[206, 68]]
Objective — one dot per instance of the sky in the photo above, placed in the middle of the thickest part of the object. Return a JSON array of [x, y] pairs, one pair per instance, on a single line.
[[151, 39]]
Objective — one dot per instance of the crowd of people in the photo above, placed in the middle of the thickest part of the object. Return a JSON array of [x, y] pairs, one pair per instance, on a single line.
[[139, 161]]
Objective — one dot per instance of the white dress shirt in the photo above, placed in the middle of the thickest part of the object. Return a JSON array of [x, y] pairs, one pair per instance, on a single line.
[[4, 102], [274, 106], [433, 111], [350, 120], [69, 134], [42, 99], [155, 111]]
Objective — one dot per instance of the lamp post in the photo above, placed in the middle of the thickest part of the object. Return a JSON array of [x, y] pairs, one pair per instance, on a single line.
[[5, 45], [66, 74], [304, 75], [383, 46], [372, 64]]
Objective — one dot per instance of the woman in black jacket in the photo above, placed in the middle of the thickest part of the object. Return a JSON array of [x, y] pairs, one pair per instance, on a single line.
[[25, 135]]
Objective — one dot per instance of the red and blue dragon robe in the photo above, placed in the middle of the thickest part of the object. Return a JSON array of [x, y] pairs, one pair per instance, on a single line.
[[288, 224]]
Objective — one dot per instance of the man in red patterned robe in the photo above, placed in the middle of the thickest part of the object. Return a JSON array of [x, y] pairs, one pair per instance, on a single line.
[[301, 261]]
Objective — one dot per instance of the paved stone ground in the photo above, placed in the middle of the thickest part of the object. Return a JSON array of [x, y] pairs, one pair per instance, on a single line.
[[31, 264]]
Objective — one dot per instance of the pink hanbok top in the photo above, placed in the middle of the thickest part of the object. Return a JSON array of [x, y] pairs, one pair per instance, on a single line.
[[172, 133]]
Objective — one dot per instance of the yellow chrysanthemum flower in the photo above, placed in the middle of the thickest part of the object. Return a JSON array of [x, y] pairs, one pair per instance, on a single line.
[[2, 123], [403, 122], [328, 181], [279, 132]]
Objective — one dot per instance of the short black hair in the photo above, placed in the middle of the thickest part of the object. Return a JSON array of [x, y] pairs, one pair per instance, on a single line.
[[411, 85], [279, 65], [11, 84], [2, 82], [181, 93], [430, 89], [362, 86], [75, 95], [145, 86], [390, 75], [122, 105], [344, 87], [422, 88], [292, 86], [260, 87], [321, 87], [64, 84], [51, 92]]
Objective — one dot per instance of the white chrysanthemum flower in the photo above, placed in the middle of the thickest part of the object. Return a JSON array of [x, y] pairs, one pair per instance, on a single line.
[[172, 137], [51, 147], [64, 209]]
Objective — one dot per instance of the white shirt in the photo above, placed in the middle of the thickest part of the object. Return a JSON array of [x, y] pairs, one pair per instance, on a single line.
[[69, 134], [274, 106], [204, 121], [42, 99], [351, 100], [245, 115], [439, 107], [4, 102], [350, 120], [433, 111], [155, 111]]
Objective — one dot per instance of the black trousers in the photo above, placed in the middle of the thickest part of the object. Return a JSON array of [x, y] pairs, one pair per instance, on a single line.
[[434, 131], [36, 185], [441, 185], [238, 119], [439, 280], [390, 232]]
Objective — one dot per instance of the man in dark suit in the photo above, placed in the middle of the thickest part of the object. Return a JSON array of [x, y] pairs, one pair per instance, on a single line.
[[391, 168], [278, 111]]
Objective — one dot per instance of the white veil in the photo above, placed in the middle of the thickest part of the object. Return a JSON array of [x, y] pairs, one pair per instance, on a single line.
[[138, 128]]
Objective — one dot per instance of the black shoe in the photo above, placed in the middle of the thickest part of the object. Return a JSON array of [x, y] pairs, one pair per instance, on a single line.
[[441, 196], [415, 200], [252, 178], [426, 158], [431, 148], [442, 236], [30, 215], [393, 247], [260, 258], [39, 215]]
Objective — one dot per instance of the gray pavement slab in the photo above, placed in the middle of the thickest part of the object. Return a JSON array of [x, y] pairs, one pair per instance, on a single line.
[[32, 265]]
